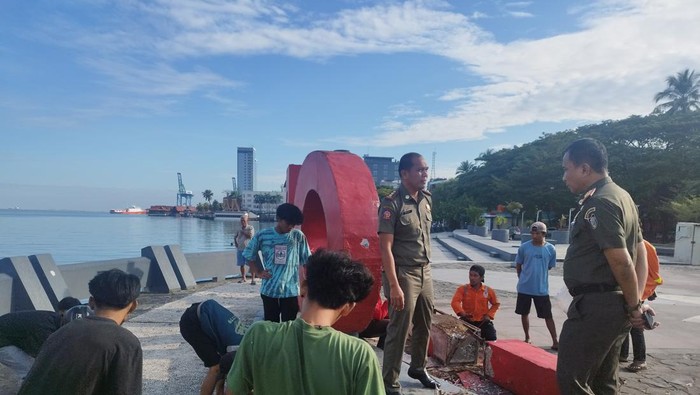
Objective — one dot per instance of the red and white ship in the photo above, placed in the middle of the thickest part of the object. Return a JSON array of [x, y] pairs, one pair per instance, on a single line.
[[130, 210]]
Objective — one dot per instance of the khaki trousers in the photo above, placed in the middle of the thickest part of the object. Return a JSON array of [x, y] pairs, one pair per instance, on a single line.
[[589, 345], [417, 286]]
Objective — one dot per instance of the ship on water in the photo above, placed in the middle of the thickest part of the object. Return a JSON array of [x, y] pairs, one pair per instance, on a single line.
[[131, 210]]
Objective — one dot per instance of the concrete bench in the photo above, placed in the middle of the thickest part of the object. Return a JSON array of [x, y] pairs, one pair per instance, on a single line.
[[522, 368]]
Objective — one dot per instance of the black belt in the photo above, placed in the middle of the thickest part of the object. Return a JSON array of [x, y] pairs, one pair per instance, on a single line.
[[593, 288]]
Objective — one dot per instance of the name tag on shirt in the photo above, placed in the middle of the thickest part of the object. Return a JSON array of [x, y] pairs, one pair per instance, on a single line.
[[280, 255]]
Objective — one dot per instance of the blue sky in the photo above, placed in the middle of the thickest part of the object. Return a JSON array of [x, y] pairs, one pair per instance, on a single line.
[[103, 102]]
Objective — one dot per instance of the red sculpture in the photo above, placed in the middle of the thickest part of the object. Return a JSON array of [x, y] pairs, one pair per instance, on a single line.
[[337, 195]]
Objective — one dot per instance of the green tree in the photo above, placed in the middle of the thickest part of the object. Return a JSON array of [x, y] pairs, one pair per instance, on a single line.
[[687, 209], [682, 94], [207, 194], [384, 191]]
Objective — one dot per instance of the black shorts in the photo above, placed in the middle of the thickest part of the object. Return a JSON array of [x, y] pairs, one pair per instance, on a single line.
[[191, 331], [542, 304]]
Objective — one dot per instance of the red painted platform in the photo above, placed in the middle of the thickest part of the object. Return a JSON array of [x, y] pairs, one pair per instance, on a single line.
[[522, 368]]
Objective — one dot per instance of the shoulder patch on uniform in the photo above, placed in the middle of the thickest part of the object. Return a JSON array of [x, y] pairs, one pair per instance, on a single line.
[[386, 214], [591, 218]]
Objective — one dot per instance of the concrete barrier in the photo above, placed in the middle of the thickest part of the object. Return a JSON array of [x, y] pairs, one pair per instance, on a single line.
[[27, 291], [522, 368], [5, 294], [161, 276], [181, 267], [50, 277], [213, 266], [77, 275], [493, 251]]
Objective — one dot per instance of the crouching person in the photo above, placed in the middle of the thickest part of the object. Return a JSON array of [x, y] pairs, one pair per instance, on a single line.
[[215, 333], [93, 355], [307, 356], [476, 304]]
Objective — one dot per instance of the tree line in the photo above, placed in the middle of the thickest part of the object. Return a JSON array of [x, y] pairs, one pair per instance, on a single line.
[[656, 158]]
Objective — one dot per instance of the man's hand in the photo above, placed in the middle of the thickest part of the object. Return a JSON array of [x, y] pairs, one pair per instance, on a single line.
[[265, 274], [396, 298]]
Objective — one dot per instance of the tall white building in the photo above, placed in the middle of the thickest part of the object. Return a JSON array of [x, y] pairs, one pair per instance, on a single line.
[[246, 169]]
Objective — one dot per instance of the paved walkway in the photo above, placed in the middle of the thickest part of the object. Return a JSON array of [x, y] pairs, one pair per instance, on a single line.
[[673, 349], [171, 366]]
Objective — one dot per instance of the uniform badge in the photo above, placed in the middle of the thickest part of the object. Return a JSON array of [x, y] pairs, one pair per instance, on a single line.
[[591, 218], [386, 215]]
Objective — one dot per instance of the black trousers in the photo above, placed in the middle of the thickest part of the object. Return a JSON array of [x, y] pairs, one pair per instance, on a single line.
[[280, 309]]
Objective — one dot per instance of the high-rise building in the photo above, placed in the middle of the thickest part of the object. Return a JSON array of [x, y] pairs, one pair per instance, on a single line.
[[246, 169], [384, 169]]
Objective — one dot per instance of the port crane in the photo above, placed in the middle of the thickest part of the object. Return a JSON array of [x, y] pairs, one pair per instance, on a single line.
[[184, 197]]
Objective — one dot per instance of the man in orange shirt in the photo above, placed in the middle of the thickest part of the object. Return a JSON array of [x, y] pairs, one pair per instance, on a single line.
[[476, 304], [639, 347]]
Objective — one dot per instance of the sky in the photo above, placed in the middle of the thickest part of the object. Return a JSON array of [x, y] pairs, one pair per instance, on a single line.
[[102, 103]]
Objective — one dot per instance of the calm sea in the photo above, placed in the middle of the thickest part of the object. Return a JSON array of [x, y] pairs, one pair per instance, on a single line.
[[77, 236]]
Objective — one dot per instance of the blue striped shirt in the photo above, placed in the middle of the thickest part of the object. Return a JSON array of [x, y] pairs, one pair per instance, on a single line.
[[282, 254]]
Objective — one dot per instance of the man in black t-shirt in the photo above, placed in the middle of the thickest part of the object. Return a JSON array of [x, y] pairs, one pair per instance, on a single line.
[[93, 355], [22, 334]]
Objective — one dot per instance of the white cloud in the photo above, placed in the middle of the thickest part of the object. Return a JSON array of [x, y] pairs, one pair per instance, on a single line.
[[520, 14]]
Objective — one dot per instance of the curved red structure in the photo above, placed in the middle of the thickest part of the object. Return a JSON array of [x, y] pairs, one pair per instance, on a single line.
[[336, 192]]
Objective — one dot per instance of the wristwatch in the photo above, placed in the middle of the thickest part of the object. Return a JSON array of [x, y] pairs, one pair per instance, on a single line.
[[630, 308]]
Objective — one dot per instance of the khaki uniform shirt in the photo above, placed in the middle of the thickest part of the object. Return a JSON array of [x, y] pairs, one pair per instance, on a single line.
[[607, 218], [409, 221]]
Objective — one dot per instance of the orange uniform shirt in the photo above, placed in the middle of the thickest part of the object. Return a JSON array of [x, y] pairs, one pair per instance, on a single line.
[[475, 302], [654, 278]]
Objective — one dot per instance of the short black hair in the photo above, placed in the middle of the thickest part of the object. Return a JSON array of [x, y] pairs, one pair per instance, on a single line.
[[114, 288], [290, 213], [590, 151], [479, 270], [406, 161], [334, 279], [66, 303]]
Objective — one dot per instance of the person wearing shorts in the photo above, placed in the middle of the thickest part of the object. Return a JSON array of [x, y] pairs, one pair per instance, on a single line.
[[241, 240], [534, 260]]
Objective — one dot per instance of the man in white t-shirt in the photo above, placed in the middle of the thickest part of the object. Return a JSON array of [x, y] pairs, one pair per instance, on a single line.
[[534, 260]]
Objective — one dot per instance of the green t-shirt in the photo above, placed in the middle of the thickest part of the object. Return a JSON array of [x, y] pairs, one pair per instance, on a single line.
[[296, 358]]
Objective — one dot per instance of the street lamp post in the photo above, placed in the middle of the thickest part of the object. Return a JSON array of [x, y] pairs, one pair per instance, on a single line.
[[537, 217], [522, 219]]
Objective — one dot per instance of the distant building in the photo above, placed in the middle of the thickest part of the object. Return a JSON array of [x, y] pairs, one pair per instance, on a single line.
[[384, 169], [248, 201], [246, 169], [435, 181]]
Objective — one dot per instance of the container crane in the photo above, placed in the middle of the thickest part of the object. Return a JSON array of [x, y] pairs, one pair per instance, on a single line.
[[184, 197]]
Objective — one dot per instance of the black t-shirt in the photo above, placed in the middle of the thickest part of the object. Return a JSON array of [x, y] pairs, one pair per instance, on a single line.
[[93, 355], [28, 330]]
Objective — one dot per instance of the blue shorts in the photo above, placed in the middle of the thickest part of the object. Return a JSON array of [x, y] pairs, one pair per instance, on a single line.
[[240, 261]]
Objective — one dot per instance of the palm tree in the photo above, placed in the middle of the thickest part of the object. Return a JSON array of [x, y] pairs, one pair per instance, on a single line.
[[207, 194], [683, 94], [465, 168]]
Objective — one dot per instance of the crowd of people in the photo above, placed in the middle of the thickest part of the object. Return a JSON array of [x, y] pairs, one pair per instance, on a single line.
[[295, 348]]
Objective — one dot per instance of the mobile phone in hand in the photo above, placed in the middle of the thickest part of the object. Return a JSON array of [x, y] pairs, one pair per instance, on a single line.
[[648, 320]]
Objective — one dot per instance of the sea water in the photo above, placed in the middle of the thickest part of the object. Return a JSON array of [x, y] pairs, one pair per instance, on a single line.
[[79, 236]]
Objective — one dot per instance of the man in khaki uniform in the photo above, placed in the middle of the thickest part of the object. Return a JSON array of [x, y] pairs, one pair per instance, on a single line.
[[404, 238], [604, 270]]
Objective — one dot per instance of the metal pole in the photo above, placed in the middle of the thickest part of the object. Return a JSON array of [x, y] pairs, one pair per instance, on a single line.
[[537, 217], [522, 219]]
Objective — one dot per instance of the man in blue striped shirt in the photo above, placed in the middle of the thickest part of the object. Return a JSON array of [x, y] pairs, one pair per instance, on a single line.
[[284, 249]]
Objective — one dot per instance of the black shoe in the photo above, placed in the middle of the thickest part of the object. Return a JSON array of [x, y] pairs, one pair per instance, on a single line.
[[392, 391], [424, 378]]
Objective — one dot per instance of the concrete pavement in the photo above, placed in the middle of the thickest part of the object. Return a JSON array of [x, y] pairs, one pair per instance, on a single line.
[[673, 349]]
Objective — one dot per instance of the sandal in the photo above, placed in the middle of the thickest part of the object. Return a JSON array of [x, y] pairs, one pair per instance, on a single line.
[[253, 282], [241, 281], [636, 366]]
